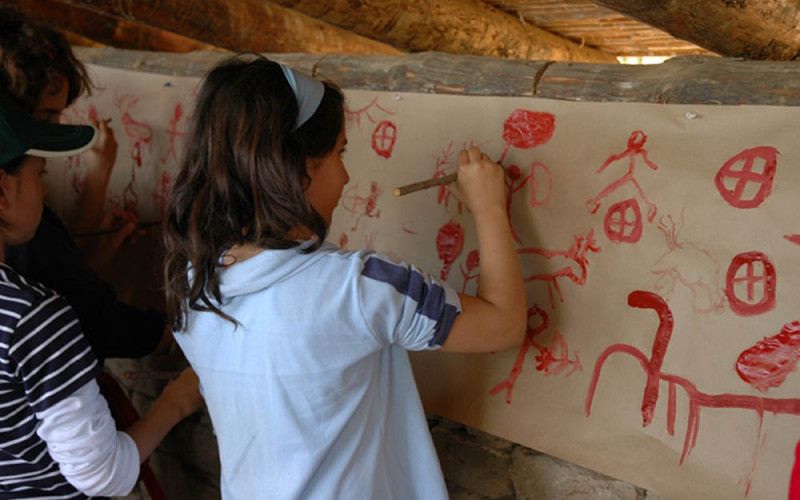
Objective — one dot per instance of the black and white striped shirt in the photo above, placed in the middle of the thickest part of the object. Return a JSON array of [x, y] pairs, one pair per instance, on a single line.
[[44, 358]]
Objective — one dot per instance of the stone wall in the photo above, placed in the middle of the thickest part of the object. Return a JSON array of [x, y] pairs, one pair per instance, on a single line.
[[476, 465]]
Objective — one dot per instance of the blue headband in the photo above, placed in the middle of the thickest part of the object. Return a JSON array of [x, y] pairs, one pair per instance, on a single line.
[[308, 92]]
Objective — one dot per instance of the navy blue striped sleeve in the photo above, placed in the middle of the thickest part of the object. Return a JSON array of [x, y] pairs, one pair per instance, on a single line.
[[50, 354], [406, 306]]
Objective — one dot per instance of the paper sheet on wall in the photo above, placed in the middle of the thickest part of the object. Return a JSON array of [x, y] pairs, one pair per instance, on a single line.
[[659, 244]]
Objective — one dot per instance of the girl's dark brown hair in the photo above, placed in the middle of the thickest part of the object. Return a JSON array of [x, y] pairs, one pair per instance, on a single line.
[[34, 58], [242, 177]]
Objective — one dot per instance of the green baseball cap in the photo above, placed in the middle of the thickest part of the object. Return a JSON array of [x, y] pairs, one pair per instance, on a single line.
[[21, 135]]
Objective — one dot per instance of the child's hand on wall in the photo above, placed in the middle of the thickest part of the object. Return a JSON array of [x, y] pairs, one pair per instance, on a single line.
[[480, 181]]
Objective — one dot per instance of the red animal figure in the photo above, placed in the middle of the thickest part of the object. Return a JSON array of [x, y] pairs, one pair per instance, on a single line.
[[174, 133], [691, 266], [771, 360], [449, 244], [473, 262], [140, 136], [576, 254], [635, 148], [697, 399], [552, 360]]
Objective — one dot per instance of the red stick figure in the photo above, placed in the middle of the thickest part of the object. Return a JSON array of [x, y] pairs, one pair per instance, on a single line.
[[140, 135], [576, 254], [449, 244], [691, 266], [771, 360], [162, 191], [514, 184], [743, 177], [174, 133], [635, 148], [759, 276], [552, 360]]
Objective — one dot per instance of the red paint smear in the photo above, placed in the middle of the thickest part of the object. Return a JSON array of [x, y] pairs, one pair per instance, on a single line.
[[746, 175], [449, 244], [409, 231], [767, 364], [623, 222], [794, 238], [768, 281], [794, 484], [384, 138], [697, 399], [548, 191]]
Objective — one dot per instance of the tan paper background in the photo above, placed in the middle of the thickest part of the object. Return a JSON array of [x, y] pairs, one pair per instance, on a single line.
[[742, 439]]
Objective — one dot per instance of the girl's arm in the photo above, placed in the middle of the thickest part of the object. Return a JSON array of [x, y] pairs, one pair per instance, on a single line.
[[493, 319], [92, 455]]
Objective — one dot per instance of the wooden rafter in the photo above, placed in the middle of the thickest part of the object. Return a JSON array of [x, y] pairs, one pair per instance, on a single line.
[[454, 26], [762, 30], [240, 25], [84, 26]]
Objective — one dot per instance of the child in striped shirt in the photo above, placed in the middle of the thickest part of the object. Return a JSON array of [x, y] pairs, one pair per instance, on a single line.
[[57, 436]]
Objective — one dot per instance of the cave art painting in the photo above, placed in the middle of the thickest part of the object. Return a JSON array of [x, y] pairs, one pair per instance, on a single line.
[[551, 359], [697, 399], [636, 142], [745, 180], [692, 267], [571, 263]]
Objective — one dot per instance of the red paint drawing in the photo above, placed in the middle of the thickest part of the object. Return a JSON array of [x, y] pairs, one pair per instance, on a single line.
[[690, 266], [140, 136], [161, 193], [514, 184], [526, 129], [366, 111], [384, 138], [623, 222], [173, 133], [768, 363], [635, 148], [750, 284], [552, 359], [449, 245], [369, 242], [360, 206], [565, 261], [745, 180], [697, 399], [444, 166], [793, 238], [471, 271]]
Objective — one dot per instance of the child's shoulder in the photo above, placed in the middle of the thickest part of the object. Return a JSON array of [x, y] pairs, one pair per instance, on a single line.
[[16, 288]]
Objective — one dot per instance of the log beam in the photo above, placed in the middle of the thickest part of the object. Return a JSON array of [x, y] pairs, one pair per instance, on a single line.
[[83, 27], [762, 30], [452, 26], [680, 80], [241, 25]]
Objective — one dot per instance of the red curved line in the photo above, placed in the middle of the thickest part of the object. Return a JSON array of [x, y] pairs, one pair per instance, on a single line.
[[623, 348]]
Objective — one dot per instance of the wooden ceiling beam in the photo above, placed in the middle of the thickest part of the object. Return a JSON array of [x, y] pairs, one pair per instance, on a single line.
[[453, 26], [240, 25], [84, 26], [762, 30]]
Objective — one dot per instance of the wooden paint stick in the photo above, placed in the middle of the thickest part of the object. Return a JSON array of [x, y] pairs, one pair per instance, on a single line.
[[418, 186]]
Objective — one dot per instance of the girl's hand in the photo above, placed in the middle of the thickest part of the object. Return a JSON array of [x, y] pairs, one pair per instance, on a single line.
[[480, 183], [101, 157], [184, 393]]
